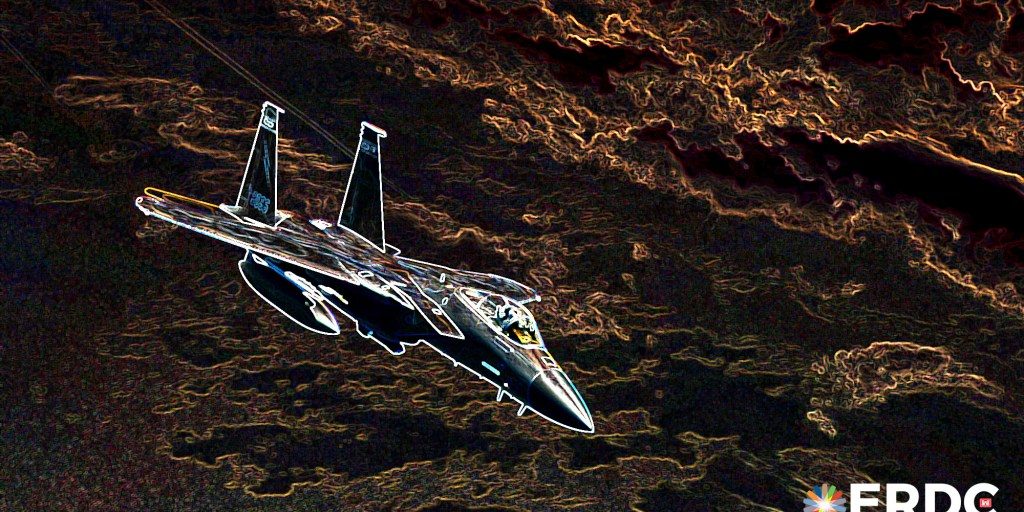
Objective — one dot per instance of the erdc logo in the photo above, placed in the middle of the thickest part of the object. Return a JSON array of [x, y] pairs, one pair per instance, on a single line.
[[901, 498]]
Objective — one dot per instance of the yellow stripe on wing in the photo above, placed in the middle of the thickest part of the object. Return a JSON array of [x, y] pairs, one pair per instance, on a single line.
[[157, 193]]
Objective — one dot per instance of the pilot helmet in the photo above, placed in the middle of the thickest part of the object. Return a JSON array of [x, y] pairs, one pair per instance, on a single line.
[[502, 311]]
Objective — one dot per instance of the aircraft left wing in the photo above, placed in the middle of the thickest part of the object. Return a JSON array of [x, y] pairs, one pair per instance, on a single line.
[[298, 244]]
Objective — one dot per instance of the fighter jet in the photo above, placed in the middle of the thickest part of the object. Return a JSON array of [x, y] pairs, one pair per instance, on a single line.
[[311, 269]]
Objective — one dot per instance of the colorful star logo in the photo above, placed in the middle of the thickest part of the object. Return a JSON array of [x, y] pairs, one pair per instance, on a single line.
[[825, 498]]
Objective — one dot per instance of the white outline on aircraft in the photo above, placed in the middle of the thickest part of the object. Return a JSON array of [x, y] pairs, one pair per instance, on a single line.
[[447, 278]]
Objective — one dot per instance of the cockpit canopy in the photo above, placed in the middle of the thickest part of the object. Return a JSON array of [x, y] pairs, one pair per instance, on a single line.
[[504, 316]]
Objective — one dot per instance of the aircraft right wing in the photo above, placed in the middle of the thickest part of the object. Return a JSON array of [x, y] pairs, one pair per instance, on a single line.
[[430, 310], [438, 274]]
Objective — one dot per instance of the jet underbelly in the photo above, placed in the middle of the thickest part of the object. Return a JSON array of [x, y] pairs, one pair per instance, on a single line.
[[377, 316], [302, 306]]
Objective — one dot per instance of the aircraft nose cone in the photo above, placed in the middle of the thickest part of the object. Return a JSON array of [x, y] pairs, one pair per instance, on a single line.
[[554, 397]]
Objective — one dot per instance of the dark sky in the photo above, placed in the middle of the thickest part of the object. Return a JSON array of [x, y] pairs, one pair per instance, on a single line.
[[778, 244]]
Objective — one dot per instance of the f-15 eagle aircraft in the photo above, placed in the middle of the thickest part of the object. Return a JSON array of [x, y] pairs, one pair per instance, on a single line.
[[309, 270]]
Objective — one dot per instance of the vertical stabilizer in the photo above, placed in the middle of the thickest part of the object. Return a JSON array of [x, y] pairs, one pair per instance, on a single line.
[[257, 198], [363, 208]]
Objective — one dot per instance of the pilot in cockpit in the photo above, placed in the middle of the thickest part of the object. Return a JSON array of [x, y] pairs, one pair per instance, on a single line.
[[509, 317], [516, 323]]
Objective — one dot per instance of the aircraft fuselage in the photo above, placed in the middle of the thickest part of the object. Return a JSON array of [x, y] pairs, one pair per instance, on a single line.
[[310, 269], [525, 372]]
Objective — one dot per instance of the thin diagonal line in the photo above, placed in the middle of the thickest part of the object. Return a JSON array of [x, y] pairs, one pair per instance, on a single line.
[[211, 47], [244, 73], [28, 65]]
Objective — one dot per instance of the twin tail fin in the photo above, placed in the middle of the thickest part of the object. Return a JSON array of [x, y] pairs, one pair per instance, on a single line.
[[363, 208], [257, 197]]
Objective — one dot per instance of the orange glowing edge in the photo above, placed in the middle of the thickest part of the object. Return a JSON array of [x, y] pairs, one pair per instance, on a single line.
[[157, 193]]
